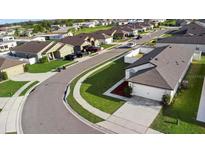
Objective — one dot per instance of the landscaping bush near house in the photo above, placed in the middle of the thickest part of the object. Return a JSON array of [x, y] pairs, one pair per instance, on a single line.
[[43, 60], [26, 68], [166, 99], [128, 91], [4, 76]]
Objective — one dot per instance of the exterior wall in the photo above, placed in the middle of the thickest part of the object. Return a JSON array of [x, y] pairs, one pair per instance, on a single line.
[[12, 71], [192, 46], [129, 72], [148, 92], [66, 50], [106, 41], [109, 40]]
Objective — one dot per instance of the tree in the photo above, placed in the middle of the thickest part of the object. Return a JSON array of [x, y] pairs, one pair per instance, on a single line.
[[38, 28]]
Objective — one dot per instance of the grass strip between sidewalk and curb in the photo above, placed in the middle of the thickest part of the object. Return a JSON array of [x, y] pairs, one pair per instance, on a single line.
[[75, 105], [30, 86]]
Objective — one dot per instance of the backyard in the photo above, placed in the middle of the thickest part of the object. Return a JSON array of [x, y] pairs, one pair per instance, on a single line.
[[91, 29], [48, 66], [9, 88], [180, 116], [94, 86]]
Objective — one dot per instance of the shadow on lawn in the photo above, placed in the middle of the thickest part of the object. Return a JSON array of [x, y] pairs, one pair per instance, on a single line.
[[185, 105]]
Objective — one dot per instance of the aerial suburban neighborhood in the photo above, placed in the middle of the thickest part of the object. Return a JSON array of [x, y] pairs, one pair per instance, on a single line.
[[102, 76]]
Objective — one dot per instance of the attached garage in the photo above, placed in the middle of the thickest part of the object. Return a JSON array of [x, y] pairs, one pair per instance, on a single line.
[[148, 92], [11, 67]]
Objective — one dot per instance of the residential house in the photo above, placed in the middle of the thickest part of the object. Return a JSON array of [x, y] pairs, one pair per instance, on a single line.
[[193, 42], [53, 36], [7, 45], [6, 38], [11, 67], [36, 49], [25, 40], [159, 72], [79, 41], [102, 37]]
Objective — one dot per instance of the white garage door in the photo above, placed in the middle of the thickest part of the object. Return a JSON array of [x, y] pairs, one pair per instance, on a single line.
[[108, 40], [148, 92]]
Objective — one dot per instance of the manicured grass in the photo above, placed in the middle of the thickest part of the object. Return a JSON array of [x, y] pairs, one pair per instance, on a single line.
[[48, 66], [92, 29], [120, 40], [95, 85], [166, 35], [9, 88], [78, 108], [185, 106], [169, 22], [151, 43], [105, 46], [30, 86]]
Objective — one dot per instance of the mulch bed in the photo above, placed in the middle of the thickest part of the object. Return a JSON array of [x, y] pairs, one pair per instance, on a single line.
[[120, 89]]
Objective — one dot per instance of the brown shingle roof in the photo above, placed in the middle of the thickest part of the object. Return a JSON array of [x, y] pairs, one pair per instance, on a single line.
[[7, 63], [74, 40], [31, 47]]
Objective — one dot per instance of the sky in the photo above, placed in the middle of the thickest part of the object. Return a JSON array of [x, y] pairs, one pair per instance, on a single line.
[[5, 21]]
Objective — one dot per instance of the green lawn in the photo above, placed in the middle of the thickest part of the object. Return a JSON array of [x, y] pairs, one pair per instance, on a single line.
[[105, 46], [151, 43], [185, 106], [91, 30], [9, 88], [30, 86], [166, 35], [78, 108], [120, 40], [48, 66], [94, 86], [169, 22]]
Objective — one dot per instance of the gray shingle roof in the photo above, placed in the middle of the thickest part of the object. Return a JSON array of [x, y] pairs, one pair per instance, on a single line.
[[147, 57], [169, 66], [183, 40], [31, 47]]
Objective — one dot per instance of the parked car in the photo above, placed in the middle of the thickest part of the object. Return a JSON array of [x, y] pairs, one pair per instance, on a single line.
[[130, 45], [70, 57], [93, 49], [138, 37]]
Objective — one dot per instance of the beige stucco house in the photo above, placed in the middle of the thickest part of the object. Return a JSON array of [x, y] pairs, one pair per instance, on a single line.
[[11, 67]]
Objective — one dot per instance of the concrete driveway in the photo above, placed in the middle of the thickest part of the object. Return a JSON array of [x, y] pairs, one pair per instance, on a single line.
[[135, 116]]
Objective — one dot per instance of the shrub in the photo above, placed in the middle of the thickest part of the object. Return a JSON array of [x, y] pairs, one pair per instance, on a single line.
[[128, 91], [26, 68], [166, 99], [4, 76], [43, 60]]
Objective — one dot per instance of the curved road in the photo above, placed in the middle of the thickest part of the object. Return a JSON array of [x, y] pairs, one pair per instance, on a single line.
[[44, 111]]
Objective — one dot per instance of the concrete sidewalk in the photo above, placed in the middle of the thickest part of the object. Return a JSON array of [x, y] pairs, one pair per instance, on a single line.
[[10, 107]]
